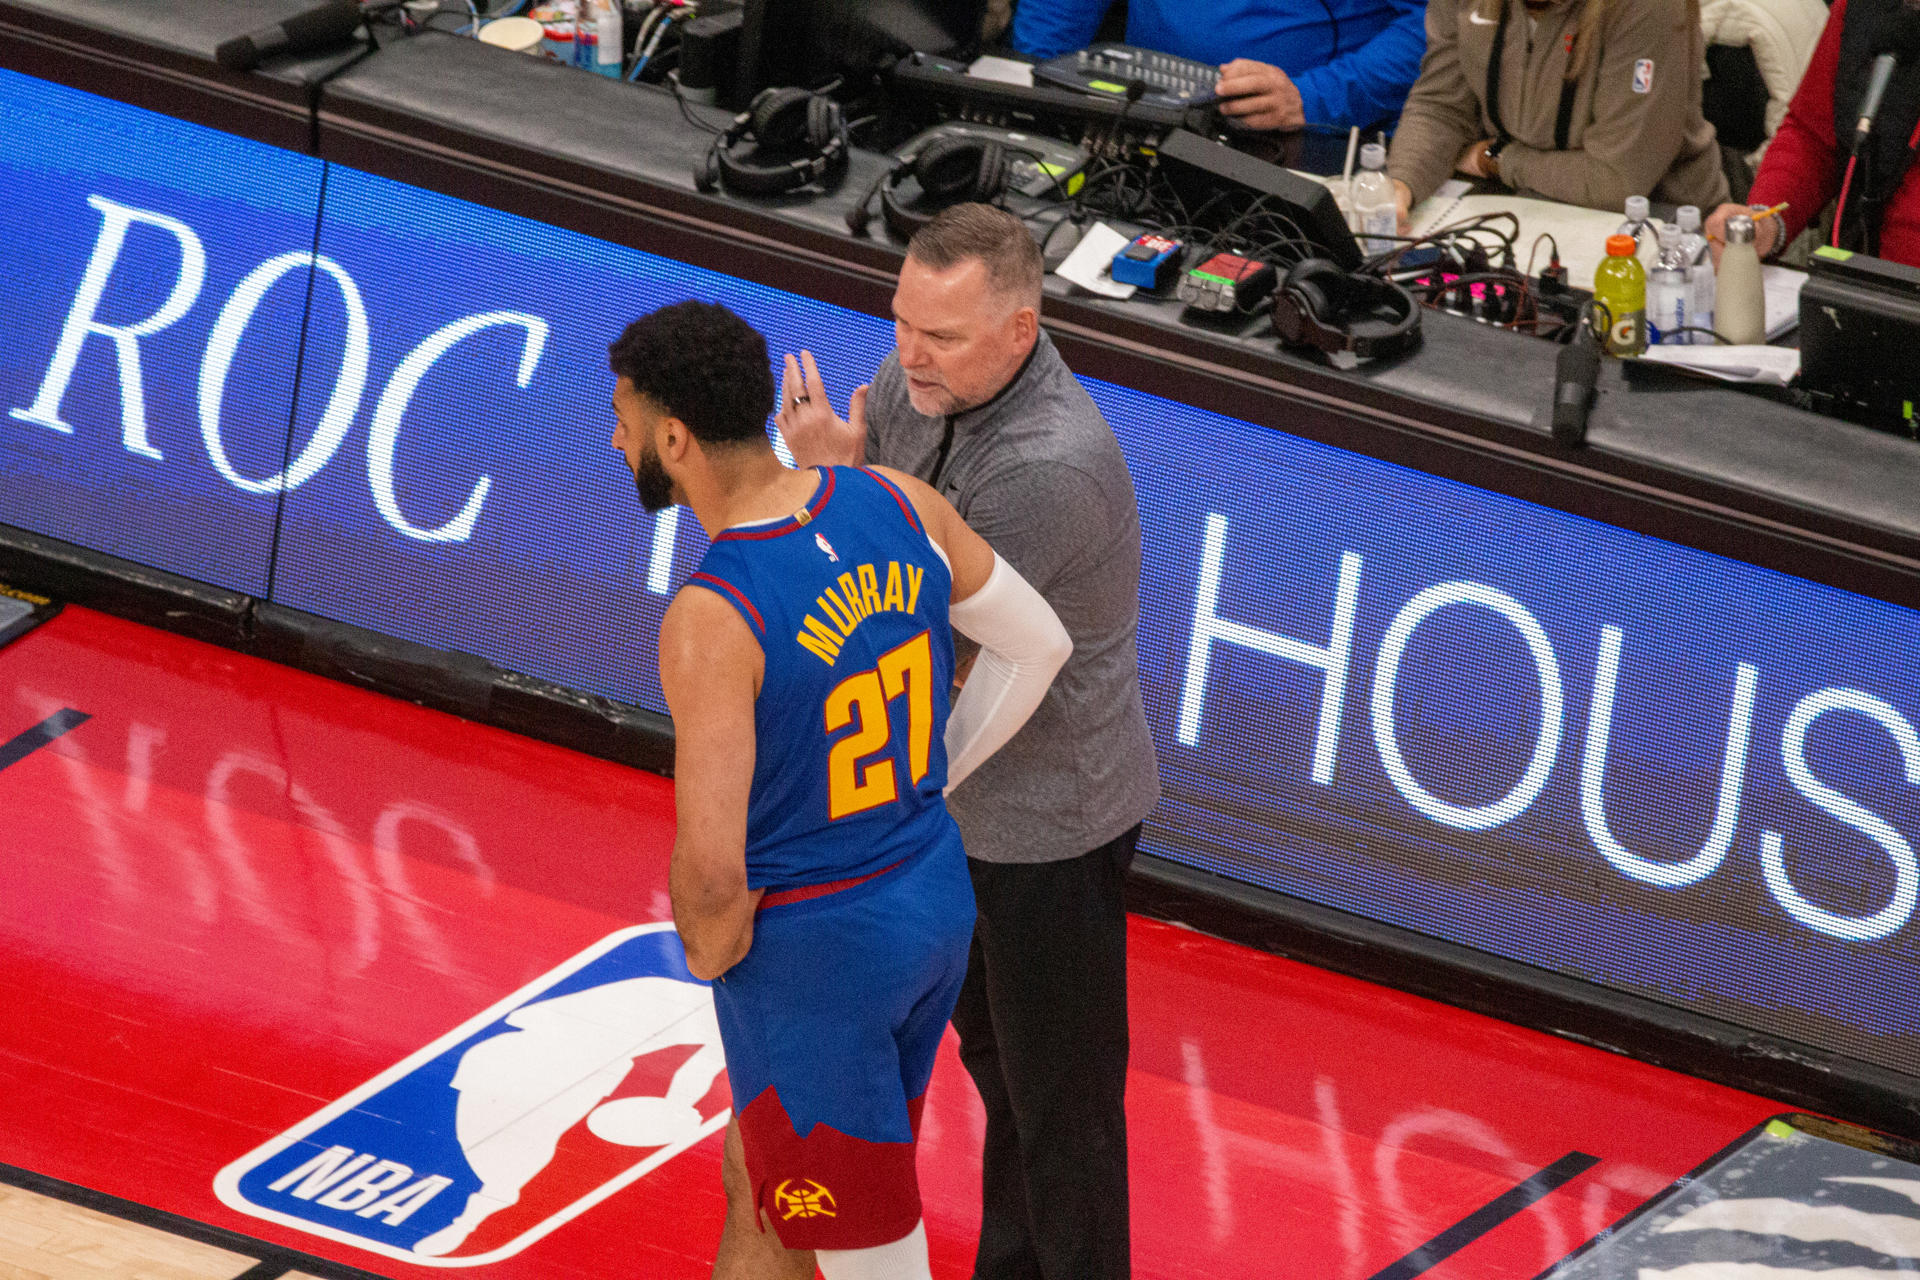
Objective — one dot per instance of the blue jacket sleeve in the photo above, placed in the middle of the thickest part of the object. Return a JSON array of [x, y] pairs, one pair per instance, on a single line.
[[1370, 83], [1047, 28]]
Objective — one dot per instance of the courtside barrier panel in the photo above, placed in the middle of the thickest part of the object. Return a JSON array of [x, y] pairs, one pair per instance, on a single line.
[[363, 426]]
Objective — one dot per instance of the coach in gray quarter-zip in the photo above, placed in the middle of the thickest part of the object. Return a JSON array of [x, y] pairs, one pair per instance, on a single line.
[[1582, 101], [976, 401]]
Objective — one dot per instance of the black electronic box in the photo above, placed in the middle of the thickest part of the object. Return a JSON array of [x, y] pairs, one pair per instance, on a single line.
[[1859, 332], [1197, 167], [1108, 70]]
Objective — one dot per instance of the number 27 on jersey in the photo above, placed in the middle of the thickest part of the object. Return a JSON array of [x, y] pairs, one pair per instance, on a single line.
[[856, 782]]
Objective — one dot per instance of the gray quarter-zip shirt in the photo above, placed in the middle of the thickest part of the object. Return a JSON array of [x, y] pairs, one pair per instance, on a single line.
[[1037, 472]]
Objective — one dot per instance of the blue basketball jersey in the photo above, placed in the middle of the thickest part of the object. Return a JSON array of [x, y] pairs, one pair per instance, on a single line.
[[848, 599]]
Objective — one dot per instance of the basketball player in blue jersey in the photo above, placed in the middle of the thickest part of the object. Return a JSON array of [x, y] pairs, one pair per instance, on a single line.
[[816, 877]]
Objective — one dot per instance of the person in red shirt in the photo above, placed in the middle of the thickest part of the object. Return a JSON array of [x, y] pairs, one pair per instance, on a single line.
[[1806, 164]]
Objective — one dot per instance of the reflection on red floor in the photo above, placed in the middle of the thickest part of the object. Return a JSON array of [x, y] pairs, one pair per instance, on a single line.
[[238, 892]]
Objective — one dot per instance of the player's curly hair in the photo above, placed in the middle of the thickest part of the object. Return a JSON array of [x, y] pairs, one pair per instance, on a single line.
[[702, 364]]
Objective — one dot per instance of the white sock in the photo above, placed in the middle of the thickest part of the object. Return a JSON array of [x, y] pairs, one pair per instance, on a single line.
[[904, 1259]]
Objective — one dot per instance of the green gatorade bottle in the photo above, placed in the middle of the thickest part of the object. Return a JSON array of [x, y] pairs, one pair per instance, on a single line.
[[1620, 285]]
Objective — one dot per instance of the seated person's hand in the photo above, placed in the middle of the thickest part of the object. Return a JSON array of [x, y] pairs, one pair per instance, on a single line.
[[1766, 231], [1473, 161], [1260, 95], [1403, 206]]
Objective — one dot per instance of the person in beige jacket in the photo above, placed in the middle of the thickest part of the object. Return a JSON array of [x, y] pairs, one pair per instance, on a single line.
[[1595, 101]]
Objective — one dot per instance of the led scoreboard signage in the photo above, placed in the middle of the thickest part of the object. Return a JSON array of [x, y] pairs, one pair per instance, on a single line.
[[1404, 697]]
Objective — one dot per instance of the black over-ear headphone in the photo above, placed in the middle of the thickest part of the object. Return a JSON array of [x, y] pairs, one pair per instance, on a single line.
[[950, 170], [799, 137], [1320, 304]]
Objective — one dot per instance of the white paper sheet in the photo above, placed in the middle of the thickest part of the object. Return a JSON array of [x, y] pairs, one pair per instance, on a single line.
[[1768, 366], [1091, 262], [1003, 70], [1781, 288]]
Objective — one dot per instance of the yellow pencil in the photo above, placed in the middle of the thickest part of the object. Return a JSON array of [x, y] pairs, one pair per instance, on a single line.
[[1758, 214]]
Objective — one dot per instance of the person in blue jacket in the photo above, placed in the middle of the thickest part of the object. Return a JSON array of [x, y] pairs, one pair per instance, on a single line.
[[1283, 64]]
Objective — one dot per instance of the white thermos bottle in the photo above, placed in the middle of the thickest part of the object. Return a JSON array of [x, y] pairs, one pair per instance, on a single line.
[[1740, 303]]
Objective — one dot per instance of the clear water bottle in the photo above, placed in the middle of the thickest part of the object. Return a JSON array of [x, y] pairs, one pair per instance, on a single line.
[[1645, 232], [1694, 248], [583, 36], [1669, 300], [1373, 203], [607, 50]]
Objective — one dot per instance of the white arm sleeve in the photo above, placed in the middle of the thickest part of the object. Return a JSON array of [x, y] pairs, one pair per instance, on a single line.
[[1022, 647]]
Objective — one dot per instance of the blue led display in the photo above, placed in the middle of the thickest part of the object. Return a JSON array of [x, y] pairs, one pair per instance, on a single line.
[[478, 504], [128, 242], [1407, 698]]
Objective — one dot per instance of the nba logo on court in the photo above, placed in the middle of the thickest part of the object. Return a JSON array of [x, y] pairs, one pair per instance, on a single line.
[[523, 1118]]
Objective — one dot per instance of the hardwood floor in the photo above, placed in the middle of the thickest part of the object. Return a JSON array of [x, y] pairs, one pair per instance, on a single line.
[[41, 1237]]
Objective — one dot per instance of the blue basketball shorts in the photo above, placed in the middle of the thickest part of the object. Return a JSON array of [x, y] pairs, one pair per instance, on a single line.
[[830, 1025]]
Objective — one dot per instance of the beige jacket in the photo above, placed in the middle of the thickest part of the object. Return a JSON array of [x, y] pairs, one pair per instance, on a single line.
[[1635, 127]]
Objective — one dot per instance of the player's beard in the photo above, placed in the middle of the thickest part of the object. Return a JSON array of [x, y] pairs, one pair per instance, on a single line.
[[651, 480]]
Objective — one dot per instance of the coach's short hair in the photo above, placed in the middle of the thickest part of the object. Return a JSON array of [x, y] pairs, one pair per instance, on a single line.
[[995, 237], [703, 365]]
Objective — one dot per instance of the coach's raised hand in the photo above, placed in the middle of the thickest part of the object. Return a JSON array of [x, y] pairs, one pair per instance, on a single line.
[[816, 434]]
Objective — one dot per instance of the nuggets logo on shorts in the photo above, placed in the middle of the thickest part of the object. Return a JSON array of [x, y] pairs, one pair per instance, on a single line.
[[806, 1200], [521, 1119]]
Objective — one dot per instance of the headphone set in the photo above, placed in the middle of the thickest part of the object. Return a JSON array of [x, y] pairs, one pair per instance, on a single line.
[[1321, 305], [950, 170], [798, 138]]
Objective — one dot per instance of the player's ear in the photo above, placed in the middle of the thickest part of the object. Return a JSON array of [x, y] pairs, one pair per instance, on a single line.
[[674, 440]]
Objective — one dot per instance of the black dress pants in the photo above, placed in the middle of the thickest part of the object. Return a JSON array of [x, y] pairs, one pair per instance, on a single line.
[[1042, 1019]]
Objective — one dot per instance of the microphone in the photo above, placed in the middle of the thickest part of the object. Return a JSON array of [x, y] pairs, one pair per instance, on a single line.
[[1877, 81], [327, 24], [1136, 90], [1574, 373]]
